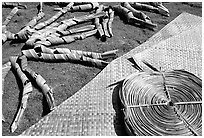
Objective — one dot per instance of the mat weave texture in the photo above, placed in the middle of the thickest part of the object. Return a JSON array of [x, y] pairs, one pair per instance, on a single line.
[[182, 51], [90, 111]]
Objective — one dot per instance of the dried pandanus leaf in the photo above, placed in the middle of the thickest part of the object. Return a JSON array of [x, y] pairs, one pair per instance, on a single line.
[[11, 14], [55, 17], [110, 21], [136, 13], [105, 55], [61, 4], [27, 89], [80, 6], [76, 20], [12, 5], [131, 18], [94, 4], [50, 29], [27, 31], [161, 9], [105, 26], [64, 24], [162, 103], [40, 81], [94, 62], [107, 22], [53, 40], [97, 21], [42, 35], [6, 34], [141, 6], [31, 54], [76, 30]]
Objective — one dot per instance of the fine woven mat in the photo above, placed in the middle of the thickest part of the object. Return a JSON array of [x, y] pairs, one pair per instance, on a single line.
[[181, 51], [90, 111]]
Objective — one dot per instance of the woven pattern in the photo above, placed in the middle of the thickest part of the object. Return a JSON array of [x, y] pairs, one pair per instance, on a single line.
[[90, 111], [181, 51]]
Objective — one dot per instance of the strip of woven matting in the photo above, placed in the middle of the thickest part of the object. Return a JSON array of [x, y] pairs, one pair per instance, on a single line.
[[93, 109], [182, 51]]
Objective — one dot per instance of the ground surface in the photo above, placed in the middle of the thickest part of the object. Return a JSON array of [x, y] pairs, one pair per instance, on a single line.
[[67, 78]]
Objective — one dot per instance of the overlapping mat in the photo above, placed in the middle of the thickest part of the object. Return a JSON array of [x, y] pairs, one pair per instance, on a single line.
[[90, 111]]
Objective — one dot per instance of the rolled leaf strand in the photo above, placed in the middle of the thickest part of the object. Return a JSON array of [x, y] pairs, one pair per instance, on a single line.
[[27, 89], [40, 81], [13, 5], [110, 21], [156, 8], [52, 36], [55, 17], [71, 57], [10, 16], [24, 34], [141, 6], [161, 9], [76, 30], [131, 18], [73, 21], [84, 7], [105, 55], [94, 62], [137, 13], [105, 25], [97, 21], [6, 35], [31, 54], [49, 41]]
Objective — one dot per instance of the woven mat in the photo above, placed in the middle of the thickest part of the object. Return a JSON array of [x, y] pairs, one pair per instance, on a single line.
[[91, 111], [183, 51]]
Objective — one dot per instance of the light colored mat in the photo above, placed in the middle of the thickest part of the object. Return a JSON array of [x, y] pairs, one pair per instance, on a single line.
[[181, 51], [90, 111]]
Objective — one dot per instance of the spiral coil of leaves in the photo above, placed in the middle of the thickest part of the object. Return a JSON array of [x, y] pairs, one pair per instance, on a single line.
[[162, 103]]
